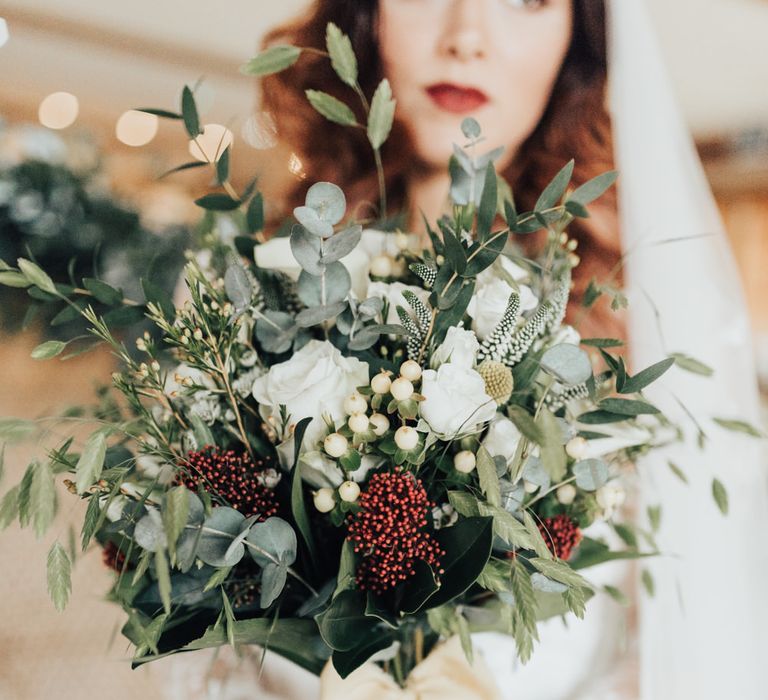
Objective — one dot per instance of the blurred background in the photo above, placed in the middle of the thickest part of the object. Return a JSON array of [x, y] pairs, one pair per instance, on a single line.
[[79, 176]]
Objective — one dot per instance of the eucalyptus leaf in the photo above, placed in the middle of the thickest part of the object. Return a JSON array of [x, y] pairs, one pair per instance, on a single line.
[[343, 59], [328, 201], [555, 189], [149, 532], [330, 288], [306, 249], [649, 375], [275, 330], [273, 580], [237, 284], [274, 541], [470, 128], [312, 222], [568, 363], [223, 525], [381, 115], [594, 188], [316, 315], [591, 474], [547, 585], [341, 244], [189, 113]]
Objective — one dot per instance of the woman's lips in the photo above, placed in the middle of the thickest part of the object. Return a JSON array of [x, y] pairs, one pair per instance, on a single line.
[[455, 98]]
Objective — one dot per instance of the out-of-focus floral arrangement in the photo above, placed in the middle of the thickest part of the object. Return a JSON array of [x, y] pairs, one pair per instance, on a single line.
[[58, 209]]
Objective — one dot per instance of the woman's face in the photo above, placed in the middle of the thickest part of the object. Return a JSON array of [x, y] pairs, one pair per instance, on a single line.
[[494, 60]]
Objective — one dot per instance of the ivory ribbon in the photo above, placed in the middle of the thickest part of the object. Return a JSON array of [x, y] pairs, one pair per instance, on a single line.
[[444, 675]]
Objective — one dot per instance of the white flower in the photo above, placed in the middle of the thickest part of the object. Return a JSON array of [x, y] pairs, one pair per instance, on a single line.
[[460, 347], [276, 254], [312, 383], [566, 334], [243, 385], [320, 471], [207, 406], [455, 400], [444, 516], [269, 478], [393, 293], [374, 243], [489, 302], [502, 438], [610, 498], [178, 381]]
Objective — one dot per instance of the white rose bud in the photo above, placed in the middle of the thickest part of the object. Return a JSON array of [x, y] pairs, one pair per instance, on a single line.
[[410, 370], [610, 496], [406, 438], [349, 491], [358, 422], [380, 424], [401, 389], [566, 494], [576, 448], [381, 383], [464, 462], [335, 445], [324, 500], [381, 266], [355, 403]]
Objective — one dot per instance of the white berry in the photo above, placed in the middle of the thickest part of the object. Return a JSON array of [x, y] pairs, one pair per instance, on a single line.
[[355, 403], [381, 383], [358, 422], [381, 266], [401, 389], [577, 448], [335, 445], [380, 424], [529, 486], [406, 438], [411, 370], [610, 496], [464, 462], [566, 494], [349, 491], [324, 500]]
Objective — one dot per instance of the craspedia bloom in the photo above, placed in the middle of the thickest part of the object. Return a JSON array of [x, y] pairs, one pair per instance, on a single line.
[[561, 534], [498, 380], [232, 477], [388, 531], [114, 558]]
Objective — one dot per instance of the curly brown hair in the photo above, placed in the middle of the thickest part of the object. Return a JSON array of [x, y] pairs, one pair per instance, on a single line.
[[576, 124]]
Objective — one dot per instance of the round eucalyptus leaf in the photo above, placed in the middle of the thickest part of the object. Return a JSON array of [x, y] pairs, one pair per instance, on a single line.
[[237, 284], [276, 539], [321, 290], [364, 339], [370, 308], [547, 585], [470, 127], [310, 220], [567, 363], [590, 474], [150, 533], [306, 249], [219, 530], [534, 472], [276, 331], [328, 201], [512, 495], [341, 244], [273, 580], [318, 314], [344, 321]]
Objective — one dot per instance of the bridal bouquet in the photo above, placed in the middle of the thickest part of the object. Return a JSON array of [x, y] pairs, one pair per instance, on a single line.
[[343, 447]]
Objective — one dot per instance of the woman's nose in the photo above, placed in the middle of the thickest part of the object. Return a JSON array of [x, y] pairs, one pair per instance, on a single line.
[[464, 35]]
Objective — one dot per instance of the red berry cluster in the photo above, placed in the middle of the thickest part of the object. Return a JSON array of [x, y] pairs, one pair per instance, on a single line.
[[231, 476], [388, 530], [561, 534], [113, 557]]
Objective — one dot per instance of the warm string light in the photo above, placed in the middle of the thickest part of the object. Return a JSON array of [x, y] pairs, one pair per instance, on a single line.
[[136, 128], [209, 146], [58, 110]]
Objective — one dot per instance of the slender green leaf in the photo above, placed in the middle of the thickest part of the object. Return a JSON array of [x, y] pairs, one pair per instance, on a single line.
[[489, 479], [10, 278], [35, 275], [48, 349], [42, 498], [59, 576], [273, 60], [189, 113], [91, 461], [555, 189], [628, 407], [254, 217], [720, 495], [163, 113], [175, 513], [678, 472], [91, 521], [332, 109], [217, 578], [646, 377], [298, 505], [222, 166], [103, 292], [9, 507], [184, 166], [343, 57], [163, 579], [486, 212], [648, 583], [594, 188], [381, 115], [691, 364], [217, 202], [739, 426]]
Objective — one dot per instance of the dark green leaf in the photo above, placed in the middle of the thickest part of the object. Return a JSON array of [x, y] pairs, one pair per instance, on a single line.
[[486, 212], [345, 622], [649, 375], [222, 166], [555, 189], [601, 417], [163, 113], [184, 166], [158, 295], [102, 291], [345, 662], [189, 113], [603, 342], [628, 407], [298, 505], [482, 255], [217, 202], [594, 188], [255, 214]]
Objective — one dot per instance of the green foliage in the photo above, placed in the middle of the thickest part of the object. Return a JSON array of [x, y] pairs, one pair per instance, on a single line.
[[720, 495], [59, 576], [91, 461], [382, 115], [273, 60]]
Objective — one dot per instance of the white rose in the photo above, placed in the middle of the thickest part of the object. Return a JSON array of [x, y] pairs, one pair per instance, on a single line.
[[621, 436], [502, 438], [312, 383], [276, 254], [455, 401], [374, 243], [489, 302], [460, 347], [393, 293]]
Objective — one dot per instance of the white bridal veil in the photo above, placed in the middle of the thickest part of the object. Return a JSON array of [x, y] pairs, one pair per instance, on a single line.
[[705, 634]]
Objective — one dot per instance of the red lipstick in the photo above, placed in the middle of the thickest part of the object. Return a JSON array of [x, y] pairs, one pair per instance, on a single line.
[[456, 98]]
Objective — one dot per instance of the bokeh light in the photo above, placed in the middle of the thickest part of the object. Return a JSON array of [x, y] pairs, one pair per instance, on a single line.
[[260, 131], [3, 32], [136, 128], [211, 143], [59, 110]]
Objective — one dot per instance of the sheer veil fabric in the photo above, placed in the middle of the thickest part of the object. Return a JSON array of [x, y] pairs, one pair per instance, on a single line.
[[705, 634]]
